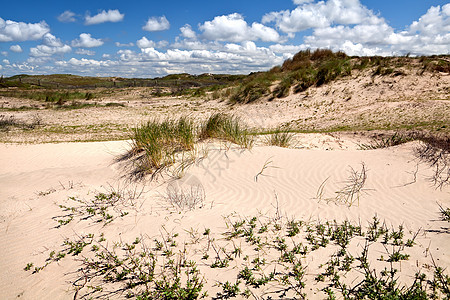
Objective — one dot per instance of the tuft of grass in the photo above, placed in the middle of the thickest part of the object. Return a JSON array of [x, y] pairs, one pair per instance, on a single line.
[[156, 142], [282, 137], [226, 127]]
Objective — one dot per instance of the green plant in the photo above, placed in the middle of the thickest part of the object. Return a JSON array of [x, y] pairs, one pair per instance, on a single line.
[[445, 213], [226, 127], [156, 142], [255, 87], [282, 137], [28, 266]]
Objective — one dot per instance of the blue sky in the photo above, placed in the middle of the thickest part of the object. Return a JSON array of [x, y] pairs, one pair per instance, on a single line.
[[155, 38]]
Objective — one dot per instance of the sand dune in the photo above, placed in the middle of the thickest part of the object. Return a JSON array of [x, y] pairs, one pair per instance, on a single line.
[[35, 179]]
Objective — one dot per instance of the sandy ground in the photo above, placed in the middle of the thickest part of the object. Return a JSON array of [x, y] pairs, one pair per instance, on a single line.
[[355, 103], [35, 179], [272, 183]]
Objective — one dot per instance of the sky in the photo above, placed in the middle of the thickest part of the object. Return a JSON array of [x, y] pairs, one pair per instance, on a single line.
[[155, 38]]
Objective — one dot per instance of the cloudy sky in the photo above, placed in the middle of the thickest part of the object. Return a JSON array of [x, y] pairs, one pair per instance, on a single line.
[[155, 38]]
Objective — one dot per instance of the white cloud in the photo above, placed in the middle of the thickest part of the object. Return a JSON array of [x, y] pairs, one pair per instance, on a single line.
[[16, 48], [43, 50], [87, 41], [18, 31], [429, 35], [435, 21], [51, 41], [50, 46], [187, 32], [234, 28], [104, 16], [156, 24], [124, 45], [89, 62], [209, 57], [85, 52], [321, 14], [4, 53], [145, 43], [6, 62], [67, 17]]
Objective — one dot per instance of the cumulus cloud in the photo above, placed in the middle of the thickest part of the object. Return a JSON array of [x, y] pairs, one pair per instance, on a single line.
[[435, 21], [234, 28], [156, 24], [104, 16], [321, 14], [429, 35], [187, 32], [85, 52], [67, 17], [87, 41], [50, 46], [16, 48], [19, 31], [145, 43]]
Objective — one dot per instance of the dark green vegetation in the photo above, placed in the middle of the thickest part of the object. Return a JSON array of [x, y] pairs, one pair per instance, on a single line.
[[61, 87], [67, 81], [315, 68]]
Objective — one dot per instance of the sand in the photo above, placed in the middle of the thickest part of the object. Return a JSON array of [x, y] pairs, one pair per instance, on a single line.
[[35, 179]]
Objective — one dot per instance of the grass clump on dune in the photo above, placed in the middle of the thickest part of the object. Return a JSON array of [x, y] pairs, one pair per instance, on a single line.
[[226, 127], [281, 138], [156, 144]]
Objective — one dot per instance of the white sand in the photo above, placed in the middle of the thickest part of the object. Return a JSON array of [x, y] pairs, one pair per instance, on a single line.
[[35, 179]]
